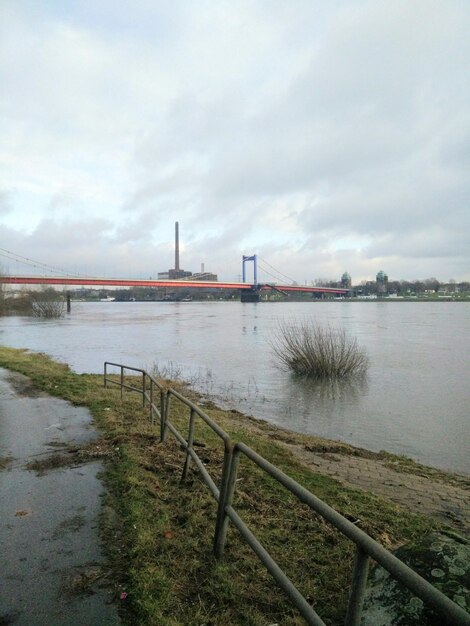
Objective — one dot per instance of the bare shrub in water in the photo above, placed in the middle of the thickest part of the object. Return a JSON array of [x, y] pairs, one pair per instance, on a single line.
[[47, 303], [318, 351]]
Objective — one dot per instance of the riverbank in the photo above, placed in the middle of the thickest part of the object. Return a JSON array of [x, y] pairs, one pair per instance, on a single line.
[[158, 532]]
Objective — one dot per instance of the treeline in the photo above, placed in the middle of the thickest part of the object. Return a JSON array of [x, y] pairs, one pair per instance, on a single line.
[[402, 287], [415, 287], [156, 294]]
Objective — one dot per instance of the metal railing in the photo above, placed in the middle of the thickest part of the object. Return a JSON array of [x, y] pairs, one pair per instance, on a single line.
[[217, 492], [148, 390], [366, 547]]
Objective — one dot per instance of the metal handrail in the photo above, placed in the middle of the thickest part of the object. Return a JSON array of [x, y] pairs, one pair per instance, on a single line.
[[147, 395], [219, 494], [366, 547], [166, 425]]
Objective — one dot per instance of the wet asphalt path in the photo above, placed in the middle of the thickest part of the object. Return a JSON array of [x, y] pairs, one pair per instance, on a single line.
[[51, 563]]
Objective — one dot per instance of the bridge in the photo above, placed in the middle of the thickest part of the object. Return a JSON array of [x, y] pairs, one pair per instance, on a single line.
[[249, 292]]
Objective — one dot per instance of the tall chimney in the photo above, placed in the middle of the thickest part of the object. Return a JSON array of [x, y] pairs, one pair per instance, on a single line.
[[177, 248], [202, 268]]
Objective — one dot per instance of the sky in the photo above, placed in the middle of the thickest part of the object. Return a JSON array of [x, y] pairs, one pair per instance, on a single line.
[[322, 136]]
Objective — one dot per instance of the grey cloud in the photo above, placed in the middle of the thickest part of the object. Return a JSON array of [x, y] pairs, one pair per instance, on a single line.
[[433, 243], [285, 129], [86, 248]]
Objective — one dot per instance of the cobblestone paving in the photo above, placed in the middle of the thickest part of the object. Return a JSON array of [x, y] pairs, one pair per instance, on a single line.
[[449, 503]]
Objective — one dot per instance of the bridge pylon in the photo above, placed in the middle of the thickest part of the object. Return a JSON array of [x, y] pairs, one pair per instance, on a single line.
[[253, 258], [253, 294], [250, 295]]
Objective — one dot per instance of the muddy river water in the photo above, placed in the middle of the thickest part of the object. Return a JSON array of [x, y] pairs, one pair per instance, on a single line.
[[415, 399]]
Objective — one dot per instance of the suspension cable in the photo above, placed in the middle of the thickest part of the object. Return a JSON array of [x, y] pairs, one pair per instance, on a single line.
[[277, 271], [266, 271], [13, 256]]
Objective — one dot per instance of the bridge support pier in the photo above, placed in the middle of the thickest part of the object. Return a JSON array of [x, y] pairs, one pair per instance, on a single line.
[[250, 295]]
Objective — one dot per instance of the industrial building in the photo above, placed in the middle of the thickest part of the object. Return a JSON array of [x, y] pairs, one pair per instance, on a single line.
[[176, 272]]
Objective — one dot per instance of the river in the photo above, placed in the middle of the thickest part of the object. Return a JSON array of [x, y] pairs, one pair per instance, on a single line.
[[414, 401]]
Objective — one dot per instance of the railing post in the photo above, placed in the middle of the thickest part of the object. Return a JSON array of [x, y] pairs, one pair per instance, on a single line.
[[190, 446], [143, 389], [358, 588], [122, 380], [227, 489], [151, 402], [164, 417], [162, 404], [105, 374]]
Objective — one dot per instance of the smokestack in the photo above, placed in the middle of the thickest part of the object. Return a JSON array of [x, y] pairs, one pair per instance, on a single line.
[[177, 248], [202, 268]]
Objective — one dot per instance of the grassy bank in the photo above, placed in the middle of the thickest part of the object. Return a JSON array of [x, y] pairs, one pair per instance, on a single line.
[[159, 532]]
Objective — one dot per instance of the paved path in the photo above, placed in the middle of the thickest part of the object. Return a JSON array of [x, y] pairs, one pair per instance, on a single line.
[[52, 568], [421, 489], [444, 496]]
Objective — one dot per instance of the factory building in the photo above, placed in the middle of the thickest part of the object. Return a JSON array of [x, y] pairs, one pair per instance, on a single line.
[[178, 273]]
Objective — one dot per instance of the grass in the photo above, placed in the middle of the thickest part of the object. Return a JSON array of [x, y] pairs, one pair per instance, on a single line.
[[317, 352], [158, 532], [5, 461]]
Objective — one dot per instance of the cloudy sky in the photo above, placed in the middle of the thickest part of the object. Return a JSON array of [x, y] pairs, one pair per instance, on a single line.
[[323, 136]]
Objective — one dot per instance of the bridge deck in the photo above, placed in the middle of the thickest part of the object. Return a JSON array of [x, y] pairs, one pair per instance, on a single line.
[[135, 282]]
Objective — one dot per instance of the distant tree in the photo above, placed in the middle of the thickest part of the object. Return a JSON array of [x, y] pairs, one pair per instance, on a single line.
[[394, 286], [406, 288], [418, 286], [432, 283], [321, 282], [368, 288]]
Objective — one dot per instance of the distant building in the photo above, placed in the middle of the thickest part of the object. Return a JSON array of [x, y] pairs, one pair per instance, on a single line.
[[382, 283], [177, 273], [205, 276], [346, 281], [174, 275]]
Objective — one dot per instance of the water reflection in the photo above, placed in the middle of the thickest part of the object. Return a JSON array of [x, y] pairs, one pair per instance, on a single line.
[[329, 392], [304, 399], [246, 330]]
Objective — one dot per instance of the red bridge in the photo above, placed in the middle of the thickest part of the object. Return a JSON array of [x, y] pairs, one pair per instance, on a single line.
[[249, 291]]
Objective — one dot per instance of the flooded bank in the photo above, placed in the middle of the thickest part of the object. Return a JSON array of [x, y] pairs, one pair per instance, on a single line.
[[414, 400]]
